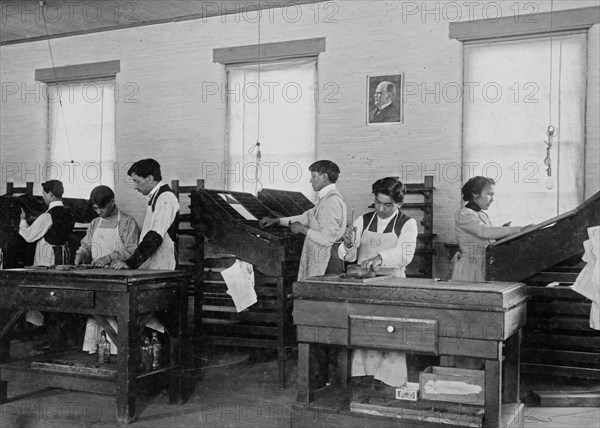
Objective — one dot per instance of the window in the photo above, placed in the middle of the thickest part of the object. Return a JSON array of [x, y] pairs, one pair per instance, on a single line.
[[271, 99], [81, 121], [283, 121], [516, 94], [81, 125]]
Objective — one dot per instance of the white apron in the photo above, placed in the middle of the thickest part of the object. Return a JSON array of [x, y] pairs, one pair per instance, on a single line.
[[386, 366], [104, 242]]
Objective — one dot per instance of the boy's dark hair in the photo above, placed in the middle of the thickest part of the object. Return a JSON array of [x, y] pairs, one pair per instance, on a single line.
[[390, 186], [101, 196], [54, 186], [326, 167], [145, 167]]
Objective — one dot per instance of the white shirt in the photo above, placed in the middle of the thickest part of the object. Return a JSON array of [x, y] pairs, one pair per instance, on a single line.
[[44, 254], [330, 220]]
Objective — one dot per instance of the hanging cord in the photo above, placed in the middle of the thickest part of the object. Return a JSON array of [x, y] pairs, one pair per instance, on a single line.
[[257, 183], [101, 131], [42, 4], [552, 131], [557, 135]]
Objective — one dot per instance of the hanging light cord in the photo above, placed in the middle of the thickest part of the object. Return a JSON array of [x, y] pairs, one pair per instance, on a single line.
[[42, 4], [552, 131], [257, 184]]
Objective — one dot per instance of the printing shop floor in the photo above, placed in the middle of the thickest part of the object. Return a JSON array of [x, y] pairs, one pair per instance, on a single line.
[[245, 393]]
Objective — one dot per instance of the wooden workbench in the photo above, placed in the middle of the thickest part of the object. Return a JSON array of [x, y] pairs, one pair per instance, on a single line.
[[481, 320], [124, 294]]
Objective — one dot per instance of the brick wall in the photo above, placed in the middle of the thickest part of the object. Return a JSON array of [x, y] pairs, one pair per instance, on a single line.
[[162, 112]]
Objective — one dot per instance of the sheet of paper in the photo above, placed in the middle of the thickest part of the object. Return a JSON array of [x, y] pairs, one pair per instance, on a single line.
[[240, 284], [235, 204]]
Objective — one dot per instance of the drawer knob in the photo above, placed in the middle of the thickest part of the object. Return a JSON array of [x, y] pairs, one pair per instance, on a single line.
[[390, 329], [52, 296]]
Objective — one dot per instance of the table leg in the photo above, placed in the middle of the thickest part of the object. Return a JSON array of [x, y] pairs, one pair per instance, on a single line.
[[180, 357], [4, 353], [512, 360], [493, 390], [342, 367], [304, 393], [128, 357]]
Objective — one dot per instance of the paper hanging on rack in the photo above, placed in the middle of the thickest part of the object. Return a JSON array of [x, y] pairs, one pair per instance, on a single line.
[[240, 284]]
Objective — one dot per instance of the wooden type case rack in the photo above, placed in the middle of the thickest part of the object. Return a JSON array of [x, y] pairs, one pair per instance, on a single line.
[[558, 340], [274, 253]]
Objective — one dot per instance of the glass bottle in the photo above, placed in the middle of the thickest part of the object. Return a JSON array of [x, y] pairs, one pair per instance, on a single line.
[[146, 355], [156, 351], [103, 349]]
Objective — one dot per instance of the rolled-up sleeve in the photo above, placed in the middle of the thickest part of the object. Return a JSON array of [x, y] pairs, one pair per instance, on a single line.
[[38, 228]]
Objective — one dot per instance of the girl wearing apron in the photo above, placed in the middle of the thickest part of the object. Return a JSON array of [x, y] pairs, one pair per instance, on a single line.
[[103, 243], [105, 240], [384, 238]]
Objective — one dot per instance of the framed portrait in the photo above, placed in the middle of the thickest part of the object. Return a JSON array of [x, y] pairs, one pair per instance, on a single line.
[[384, 99]]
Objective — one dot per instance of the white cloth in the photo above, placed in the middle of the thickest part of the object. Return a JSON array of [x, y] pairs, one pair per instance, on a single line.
[[104, 242], [326, 222], [386, 366], [474, 232], [44, 254], [588, 280], [165, 210], [239, 278]]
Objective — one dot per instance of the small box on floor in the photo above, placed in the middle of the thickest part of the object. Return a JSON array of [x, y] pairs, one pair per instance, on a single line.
[[409, 391]]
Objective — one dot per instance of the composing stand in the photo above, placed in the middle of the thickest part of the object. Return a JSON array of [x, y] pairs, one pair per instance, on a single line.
[[128, 295], [445, 319]]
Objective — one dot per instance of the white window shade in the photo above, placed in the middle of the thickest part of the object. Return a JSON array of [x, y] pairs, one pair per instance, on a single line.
[[82, 136], [512, 93], [283, 121]]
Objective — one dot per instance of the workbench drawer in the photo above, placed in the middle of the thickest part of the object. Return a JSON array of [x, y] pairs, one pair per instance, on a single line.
[[393, 333], [57, 298]]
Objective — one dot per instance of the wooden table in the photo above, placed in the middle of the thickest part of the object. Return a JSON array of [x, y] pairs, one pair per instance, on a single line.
[[124, 294], [445, 319]]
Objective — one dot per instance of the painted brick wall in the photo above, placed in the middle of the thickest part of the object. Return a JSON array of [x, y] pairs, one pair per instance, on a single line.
[[163, 110]]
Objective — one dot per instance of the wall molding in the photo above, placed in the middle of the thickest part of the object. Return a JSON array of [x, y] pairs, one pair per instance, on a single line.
[[270, 51], [526, 25]]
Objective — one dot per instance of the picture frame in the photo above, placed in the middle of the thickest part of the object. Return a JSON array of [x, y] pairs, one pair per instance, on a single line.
[[391, 113]]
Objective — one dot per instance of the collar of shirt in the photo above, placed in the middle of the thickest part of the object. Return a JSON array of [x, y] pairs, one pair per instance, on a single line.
[[383, 222], [384, 106], [473, 206], [325, 190], [154, 190], [55, 204]]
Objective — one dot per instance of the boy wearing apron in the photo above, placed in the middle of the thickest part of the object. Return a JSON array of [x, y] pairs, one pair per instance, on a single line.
[[383, 238]]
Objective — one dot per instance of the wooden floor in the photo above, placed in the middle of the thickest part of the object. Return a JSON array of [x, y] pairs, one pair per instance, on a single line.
[[247, 395]]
